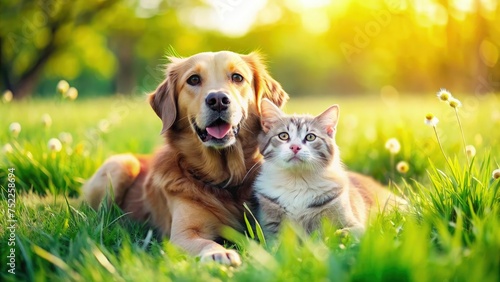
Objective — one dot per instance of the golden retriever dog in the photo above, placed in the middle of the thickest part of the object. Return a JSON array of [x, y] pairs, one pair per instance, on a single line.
[[198, 181]]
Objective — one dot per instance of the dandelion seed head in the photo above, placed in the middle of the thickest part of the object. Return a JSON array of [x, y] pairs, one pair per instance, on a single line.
[[62, 87], [15, 128], [66, 138], [431, 120], [54, 145], [103, 125], [393, 146], [496, 173], [7, 96], [470, 150], [402, 167], [444, 95], [46, 120], [7, 148], [72, 93], [454, 103]]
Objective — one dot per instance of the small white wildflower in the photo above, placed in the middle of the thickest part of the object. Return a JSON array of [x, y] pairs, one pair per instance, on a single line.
[[496, 173], [393, 146], [454, 103], [431, 120], [470, 150], [15, 128], [444, 95], [72, 93], [54, 145], [7, 96], [7, 148], [66, 138], [103, 125], [62, 87], [46, 120], [402, 167]]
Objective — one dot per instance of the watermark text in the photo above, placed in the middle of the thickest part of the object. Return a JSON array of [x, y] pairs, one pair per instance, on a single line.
[[11, 221]]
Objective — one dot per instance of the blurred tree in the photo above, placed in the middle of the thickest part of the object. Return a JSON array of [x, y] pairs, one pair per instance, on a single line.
[[33, 32], [312, 47]]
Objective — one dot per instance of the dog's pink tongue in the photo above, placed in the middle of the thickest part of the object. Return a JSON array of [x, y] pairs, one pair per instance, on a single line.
[[219, 131]]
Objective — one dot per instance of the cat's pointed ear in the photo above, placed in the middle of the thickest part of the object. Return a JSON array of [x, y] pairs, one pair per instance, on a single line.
[[270, 114], [329, 119]]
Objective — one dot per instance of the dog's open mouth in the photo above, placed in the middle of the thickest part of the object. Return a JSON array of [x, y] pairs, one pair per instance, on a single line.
[[219, 131]]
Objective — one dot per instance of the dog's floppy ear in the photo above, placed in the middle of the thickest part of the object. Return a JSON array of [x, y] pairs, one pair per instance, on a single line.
[[163, 100], [265, 86]]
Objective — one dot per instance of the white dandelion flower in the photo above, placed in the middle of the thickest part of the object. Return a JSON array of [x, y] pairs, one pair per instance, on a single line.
[[62, 87], [72, 93], [496, 173], [54, 145], [431, 120], [444, 95], [402, 167], [15, 128], [393, 146], [7, 148], [66, 138], [470, 150], [454, 103], [46, 120], [7, 96]]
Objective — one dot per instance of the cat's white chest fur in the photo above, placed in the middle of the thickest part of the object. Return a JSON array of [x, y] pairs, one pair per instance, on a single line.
[[293, 192]]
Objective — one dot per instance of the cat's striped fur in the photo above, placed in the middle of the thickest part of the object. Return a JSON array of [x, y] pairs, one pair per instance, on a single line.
[[302, 178]]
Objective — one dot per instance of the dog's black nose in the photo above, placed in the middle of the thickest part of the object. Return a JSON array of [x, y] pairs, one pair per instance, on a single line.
[[218, 101]]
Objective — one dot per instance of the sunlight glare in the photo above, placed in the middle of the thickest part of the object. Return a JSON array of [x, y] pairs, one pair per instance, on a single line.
[[231, 17], [314, 3], [464, 5], [315, 21], [301, 5]]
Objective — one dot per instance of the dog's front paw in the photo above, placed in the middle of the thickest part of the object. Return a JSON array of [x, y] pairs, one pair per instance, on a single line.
[[226, 257]]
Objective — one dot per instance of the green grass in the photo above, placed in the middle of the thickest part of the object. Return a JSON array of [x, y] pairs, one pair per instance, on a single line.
[[451, 232]]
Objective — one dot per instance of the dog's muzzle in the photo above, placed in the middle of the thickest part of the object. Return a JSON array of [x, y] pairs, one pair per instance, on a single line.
[[219, 132]]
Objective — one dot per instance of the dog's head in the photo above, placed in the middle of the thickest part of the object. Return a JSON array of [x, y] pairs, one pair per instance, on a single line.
[[213, 94]]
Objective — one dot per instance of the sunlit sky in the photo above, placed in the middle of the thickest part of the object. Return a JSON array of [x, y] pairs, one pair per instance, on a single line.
[[232, 17], [236, 17]]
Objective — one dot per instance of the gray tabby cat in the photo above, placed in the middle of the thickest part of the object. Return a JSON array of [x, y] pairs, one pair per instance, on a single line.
[[302, 178]]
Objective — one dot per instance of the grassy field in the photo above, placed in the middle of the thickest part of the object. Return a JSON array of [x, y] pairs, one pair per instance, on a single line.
[[450, 233]]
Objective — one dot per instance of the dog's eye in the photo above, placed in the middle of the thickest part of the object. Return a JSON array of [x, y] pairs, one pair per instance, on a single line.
[[236, 77], [283, 136], [310, 137], [194, 80]]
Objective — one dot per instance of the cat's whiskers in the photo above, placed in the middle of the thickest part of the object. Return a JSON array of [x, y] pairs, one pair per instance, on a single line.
[[318, 184], [250, 170]]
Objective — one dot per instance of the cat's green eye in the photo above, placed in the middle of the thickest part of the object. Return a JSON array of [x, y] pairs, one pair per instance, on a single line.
[[310, 137], [283, 136]]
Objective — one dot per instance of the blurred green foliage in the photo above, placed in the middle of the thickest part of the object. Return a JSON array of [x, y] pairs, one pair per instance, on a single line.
[[313, 47], [449, 232]]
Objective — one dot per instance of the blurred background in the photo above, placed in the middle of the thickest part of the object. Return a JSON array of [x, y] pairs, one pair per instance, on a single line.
[[315, 47]]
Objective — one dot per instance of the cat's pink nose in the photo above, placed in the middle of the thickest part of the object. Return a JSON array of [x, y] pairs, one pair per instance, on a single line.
[[295, 148]]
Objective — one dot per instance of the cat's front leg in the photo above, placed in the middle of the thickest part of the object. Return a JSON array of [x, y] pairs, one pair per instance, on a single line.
[[270, 215]]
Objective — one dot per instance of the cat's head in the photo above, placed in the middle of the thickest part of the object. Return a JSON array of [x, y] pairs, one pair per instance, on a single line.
[[300, 142]]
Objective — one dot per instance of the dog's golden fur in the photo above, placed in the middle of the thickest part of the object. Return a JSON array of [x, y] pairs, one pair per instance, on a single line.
[[194, 185]]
